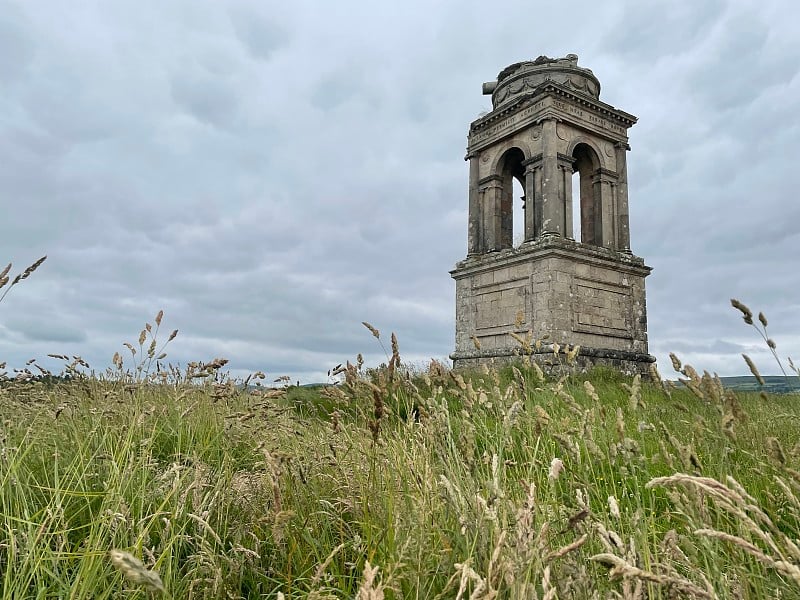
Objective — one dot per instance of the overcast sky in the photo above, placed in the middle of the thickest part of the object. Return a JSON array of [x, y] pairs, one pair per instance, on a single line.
[[270, 174]]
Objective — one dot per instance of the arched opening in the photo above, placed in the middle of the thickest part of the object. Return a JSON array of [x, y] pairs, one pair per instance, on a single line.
[[576, 204], [586, 196], [518, 195], [512, 216]]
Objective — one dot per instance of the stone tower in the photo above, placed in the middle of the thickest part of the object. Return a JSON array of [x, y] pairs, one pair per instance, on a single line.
[[550, 132]]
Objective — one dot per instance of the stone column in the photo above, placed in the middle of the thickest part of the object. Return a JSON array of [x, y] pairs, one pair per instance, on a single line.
[[604, 209], [623, 220], [552, 194], [533, 198], [565, 173], [492, 193], [474, 242]]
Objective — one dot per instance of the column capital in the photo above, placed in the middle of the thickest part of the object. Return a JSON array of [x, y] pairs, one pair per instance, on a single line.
[[489, 180], [564, 160], [604, 176], [532, 162], [622, 146]]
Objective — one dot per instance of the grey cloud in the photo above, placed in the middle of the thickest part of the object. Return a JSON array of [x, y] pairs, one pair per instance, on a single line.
[[16, 48], [205, 97], [715, 347], [647, 31], [260, 35], [738, 69], [271, 180], [39, 330], [334, 90]]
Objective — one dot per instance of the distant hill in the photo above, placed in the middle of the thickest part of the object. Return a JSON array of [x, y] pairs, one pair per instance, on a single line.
[[774, 384]]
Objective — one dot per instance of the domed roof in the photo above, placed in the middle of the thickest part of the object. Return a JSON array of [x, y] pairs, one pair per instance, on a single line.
[[524, 77]]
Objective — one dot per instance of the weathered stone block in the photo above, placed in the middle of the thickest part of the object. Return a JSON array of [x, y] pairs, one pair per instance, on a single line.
[[548, 123]]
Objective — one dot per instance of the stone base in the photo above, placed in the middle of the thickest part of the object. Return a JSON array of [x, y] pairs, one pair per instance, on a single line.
[[627, 363], [557, 290]]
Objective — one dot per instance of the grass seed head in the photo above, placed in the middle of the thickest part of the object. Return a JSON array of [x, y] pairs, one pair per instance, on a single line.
[[753, 369], [747, 314], [134, 570], [372, 330], [775, 450], [27, 272], [556, 466]]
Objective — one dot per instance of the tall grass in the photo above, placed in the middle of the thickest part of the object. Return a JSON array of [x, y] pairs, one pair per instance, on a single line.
[[494, 483]]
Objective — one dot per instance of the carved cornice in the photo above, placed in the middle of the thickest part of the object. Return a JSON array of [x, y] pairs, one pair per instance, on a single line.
[[547, 246], [504, 111]]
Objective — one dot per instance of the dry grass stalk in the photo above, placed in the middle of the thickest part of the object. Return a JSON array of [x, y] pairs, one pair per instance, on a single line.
[[568, 548], [590, 391], [525, 344], [370, 589], [620, 568], [20, 276], [613, 507], [550, 591], [738, 503], [556, 467], [134, 570], [324, 565], [782, 566], [747, 314], [753, 369], [775, 450], [372, 330]]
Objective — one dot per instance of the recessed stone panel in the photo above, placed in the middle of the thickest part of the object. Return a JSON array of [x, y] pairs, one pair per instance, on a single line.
[[547, 124]]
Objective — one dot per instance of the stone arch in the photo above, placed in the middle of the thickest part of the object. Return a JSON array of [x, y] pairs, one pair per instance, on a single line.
[[509, 166], [515, 142], [587, 165], [592, 143]]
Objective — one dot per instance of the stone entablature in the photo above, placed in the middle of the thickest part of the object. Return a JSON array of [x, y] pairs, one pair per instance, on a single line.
[[549, 101], [548, 125]]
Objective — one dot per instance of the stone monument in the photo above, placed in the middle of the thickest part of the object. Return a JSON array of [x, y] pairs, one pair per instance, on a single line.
[[548, 127]]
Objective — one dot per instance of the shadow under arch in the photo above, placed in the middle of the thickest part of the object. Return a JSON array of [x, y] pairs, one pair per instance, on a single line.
[[509, 167], [586, 166]]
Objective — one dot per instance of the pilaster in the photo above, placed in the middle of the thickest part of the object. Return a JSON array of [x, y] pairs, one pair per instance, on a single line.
[[623, 219], [473, 231]]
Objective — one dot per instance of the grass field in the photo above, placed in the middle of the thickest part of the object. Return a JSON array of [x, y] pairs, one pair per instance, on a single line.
[[489, 484]]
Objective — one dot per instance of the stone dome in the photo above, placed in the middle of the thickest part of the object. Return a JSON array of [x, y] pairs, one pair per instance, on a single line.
[[524, 77]]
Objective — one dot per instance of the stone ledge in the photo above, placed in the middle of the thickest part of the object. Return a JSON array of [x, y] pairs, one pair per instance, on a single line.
[[547, 350], [627, 363], [547, 247]]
